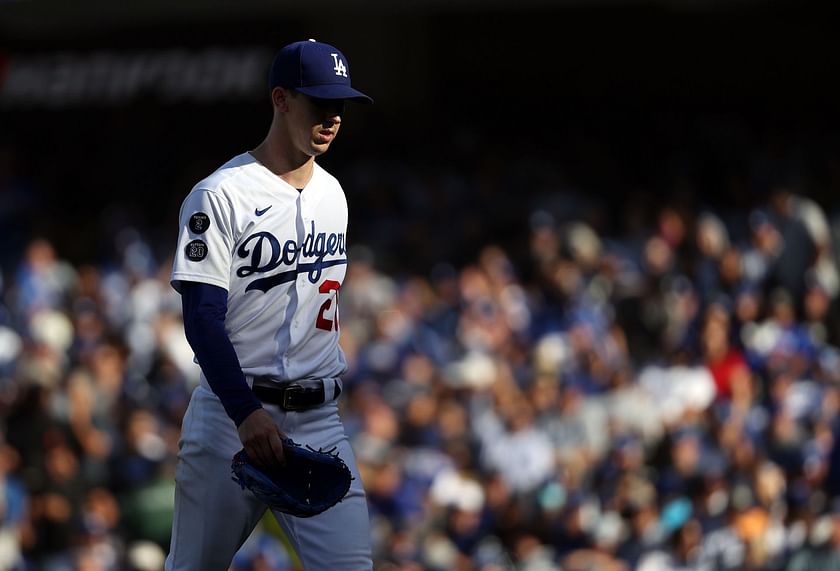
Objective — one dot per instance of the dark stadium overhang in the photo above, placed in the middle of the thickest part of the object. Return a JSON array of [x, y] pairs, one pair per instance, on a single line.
[[22, 20]]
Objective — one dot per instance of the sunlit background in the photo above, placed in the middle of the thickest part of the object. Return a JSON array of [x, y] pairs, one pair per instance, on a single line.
[[591, 309]]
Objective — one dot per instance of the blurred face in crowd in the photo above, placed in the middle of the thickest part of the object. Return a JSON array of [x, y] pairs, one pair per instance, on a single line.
[[715, 340], [672, 226], [748, 306], [766, 238], [685, 454], [689, 538], [62, 464], [817, 304], [658, 256], [711, 237], [730, 266], [40, 254], [769, 483], [782, 309]]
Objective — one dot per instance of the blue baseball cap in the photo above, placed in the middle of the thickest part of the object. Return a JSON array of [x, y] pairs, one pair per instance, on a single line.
[[315, 69]]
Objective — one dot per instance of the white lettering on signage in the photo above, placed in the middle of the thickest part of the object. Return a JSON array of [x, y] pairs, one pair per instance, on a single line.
[[65, 79]]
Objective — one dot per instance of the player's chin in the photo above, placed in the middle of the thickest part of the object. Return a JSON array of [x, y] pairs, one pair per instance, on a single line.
[[319, 147]]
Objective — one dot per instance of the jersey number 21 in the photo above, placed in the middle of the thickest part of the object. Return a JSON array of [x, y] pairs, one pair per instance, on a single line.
[[323, 322]]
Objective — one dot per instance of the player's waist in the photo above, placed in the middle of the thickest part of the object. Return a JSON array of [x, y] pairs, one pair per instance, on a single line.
[[290, 394], [293, 395], [296, 395]]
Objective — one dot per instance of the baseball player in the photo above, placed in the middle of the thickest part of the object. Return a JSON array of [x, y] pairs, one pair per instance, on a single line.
[[261, 257]]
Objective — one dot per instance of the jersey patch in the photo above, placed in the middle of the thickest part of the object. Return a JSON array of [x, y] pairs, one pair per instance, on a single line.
[[199, 223], [196, 250]]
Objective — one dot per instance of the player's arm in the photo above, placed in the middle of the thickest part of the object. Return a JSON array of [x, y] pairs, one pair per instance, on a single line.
[[205, 308]]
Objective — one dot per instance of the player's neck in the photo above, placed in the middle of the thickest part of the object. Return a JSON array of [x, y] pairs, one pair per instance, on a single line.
[[294, 168]]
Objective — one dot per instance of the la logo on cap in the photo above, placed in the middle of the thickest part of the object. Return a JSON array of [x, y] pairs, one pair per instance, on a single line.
[[340, 68]]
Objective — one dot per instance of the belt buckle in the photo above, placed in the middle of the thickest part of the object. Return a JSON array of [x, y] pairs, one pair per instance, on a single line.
[[288, 394]]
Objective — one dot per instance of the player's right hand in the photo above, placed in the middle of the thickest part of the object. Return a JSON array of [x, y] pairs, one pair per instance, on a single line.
[[262, 439]]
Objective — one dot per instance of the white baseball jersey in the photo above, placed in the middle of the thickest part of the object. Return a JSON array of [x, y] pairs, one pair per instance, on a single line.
[[281, 254]]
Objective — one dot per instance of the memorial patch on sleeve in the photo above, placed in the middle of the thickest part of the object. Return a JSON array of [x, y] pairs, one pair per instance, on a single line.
[[199, 223], [196, 250]]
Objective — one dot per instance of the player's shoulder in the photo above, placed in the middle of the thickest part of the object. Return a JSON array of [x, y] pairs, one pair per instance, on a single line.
[[326, 179], [225, 177]]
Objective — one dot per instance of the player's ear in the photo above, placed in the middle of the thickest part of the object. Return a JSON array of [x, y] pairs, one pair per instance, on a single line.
[[279, 99]]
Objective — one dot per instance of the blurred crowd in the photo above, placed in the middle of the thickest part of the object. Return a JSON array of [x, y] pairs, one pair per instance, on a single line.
[[665, 400], [661, 398]]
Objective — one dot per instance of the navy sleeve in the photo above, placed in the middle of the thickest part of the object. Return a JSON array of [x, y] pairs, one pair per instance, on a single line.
[[205, 307]]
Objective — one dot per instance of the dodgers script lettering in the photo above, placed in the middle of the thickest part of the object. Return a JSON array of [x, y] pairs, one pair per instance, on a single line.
[[310, 257]]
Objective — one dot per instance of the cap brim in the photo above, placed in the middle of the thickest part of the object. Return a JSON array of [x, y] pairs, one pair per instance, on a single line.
[[335, 92]]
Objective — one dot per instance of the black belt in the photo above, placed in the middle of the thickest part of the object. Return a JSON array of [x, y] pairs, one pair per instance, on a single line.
[[292, 395]]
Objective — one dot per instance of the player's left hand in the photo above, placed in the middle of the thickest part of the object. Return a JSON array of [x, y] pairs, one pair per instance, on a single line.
[[311, 482], [262, 439]]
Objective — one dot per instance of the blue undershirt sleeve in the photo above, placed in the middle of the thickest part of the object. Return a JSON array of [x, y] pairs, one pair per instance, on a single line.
[[205, 307]]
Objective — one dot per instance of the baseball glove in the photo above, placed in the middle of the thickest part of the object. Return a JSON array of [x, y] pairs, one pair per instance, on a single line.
[[311, 481]]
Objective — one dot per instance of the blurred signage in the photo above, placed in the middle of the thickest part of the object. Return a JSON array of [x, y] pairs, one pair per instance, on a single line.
[[67, 79]]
